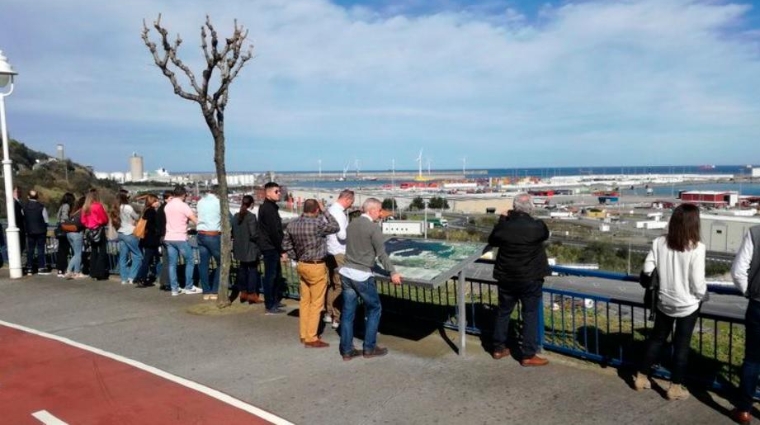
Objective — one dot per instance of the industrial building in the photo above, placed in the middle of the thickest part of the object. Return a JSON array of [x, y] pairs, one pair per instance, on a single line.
[[710, 198], [724, 233]]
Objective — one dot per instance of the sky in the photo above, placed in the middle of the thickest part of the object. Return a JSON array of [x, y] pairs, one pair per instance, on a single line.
[[502, 83]]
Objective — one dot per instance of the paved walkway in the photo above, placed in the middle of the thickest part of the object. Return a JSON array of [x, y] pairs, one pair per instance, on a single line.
[[259, 360]]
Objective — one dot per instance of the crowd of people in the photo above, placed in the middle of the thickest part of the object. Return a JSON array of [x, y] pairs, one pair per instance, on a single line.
[[335, 260]]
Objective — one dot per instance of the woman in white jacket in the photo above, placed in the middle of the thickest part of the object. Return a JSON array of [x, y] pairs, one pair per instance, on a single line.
[[680, 261]]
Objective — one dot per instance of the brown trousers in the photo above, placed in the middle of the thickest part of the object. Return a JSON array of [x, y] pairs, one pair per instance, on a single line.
[[334, 287], [313, 279]]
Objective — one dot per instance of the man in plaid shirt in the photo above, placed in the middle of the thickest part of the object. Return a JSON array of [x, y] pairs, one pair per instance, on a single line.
[[306, 242]]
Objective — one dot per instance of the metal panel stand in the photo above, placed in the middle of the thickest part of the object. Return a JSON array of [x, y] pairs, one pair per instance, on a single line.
[[461, 314]]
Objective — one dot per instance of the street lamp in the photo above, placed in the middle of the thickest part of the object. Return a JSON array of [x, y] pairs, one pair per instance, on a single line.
[[12, 232]]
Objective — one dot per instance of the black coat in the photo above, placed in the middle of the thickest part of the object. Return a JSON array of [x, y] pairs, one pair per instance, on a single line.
[[522, 256], [270, 226], [245, 235], [152, 238]]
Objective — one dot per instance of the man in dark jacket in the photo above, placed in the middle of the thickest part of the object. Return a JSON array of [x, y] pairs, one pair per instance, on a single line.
[[36, 222], [520, 268], [271, 235]]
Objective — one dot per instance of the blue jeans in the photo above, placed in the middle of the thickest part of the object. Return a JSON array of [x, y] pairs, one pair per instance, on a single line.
[[76, 240], [272, 278], [352, 290], [129, 246], [175, 249], [530, 296], [209, 246], [751, 366]]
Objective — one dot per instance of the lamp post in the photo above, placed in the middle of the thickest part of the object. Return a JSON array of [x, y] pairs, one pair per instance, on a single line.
[[12, 232]]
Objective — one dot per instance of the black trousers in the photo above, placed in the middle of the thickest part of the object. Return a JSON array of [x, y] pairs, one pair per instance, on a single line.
[[248, 277], [149, 254], [99, 266], [663, 326], [62, 256], [530, 296]]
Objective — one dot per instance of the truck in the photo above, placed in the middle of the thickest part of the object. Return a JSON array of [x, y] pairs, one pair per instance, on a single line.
[[437, 223]]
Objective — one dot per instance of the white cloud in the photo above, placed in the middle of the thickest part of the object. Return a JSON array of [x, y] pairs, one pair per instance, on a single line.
[[592, 76]]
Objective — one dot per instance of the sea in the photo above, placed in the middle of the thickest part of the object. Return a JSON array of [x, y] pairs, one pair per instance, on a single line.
[[749, 188]]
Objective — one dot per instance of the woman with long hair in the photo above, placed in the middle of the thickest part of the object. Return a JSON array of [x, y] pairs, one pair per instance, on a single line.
[[76, 241], [123, 218], [95, 220], [64, 212], [679, 259], [245, 247], [150, 241]]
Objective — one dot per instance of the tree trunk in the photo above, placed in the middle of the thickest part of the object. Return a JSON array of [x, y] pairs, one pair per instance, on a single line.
[[226, 249]]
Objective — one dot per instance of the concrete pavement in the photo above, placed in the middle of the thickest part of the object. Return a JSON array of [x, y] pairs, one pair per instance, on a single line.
[[259, 360]]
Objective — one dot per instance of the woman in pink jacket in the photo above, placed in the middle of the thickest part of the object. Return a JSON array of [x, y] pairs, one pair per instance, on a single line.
[[95, 220]]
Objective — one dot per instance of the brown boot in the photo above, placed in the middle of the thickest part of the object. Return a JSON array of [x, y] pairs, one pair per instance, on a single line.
[[243, 296], [254, 298]]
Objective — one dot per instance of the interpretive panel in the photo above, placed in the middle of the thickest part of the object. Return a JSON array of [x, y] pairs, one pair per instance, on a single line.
[[430, 262]]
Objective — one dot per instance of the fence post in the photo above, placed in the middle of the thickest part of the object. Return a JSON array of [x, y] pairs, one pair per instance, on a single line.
[[461, 314], [541, 324]]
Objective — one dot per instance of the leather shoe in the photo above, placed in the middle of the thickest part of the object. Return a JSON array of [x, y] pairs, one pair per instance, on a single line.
[[534, 361], [500, 353], [253, 298], [741, 417], [351, 354], [375, 352], [316, 344], [243, 296]]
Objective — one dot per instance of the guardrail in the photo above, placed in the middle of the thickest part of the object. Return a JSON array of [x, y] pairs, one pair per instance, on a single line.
[[602, 329]]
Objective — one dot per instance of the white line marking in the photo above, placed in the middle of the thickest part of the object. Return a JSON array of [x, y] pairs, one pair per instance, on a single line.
[[263, 414], [46, 418]]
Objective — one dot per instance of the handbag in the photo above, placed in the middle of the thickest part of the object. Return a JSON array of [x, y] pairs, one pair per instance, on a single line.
[[651, 284], [111, 233], [139, 231], [73, 224]]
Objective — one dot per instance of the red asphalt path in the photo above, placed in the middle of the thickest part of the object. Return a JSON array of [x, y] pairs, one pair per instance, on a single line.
[[77, 386]]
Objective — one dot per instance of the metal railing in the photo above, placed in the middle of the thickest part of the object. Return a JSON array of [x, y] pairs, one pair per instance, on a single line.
[[603, 329]]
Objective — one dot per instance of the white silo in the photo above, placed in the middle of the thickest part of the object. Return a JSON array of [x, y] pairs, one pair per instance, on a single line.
[[136, 167]]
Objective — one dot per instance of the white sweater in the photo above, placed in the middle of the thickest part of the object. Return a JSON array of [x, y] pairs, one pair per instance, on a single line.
[[682, 277]]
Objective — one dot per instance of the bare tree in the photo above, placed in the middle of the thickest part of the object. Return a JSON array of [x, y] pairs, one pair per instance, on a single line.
[[226, 60]]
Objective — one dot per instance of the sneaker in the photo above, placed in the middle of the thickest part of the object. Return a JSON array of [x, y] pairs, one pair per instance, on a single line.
[[192, 290], [274, 311], [206, 297], [61, 275], [213, 297], [44, 271], [327, 319], [175, 293], [335, 324], [80, 276], [677, 392], [641, 382], [124, 282]]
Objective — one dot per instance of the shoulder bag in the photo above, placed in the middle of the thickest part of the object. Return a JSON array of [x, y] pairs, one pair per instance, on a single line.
[[139, 231], [651, 284]]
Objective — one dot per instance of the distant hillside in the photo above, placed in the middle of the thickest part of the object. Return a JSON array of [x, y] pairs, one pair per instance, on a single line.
[[51, 178]]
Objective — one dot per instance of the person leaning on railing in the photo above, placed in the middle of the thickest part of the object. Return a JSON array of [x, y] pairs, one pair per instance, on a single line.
[[679, 259]]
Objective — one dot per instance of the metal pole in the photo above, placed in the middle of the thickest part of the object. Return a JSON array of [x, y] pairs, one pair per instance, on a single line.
[[461, 315], [426, 220], [12, 232]]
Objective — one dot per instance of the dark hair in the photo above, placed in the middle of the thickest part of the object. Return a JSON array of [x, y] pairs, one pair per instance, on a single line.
[[68, 199], [310, 206], [79, 203], [180, 191], [683, 228], [244, 206], [168, 194], [271, 185]]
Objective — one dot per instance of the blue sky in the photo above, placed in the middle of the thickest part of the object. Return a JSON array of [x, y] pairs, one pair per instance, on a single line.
[[503, 83]]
